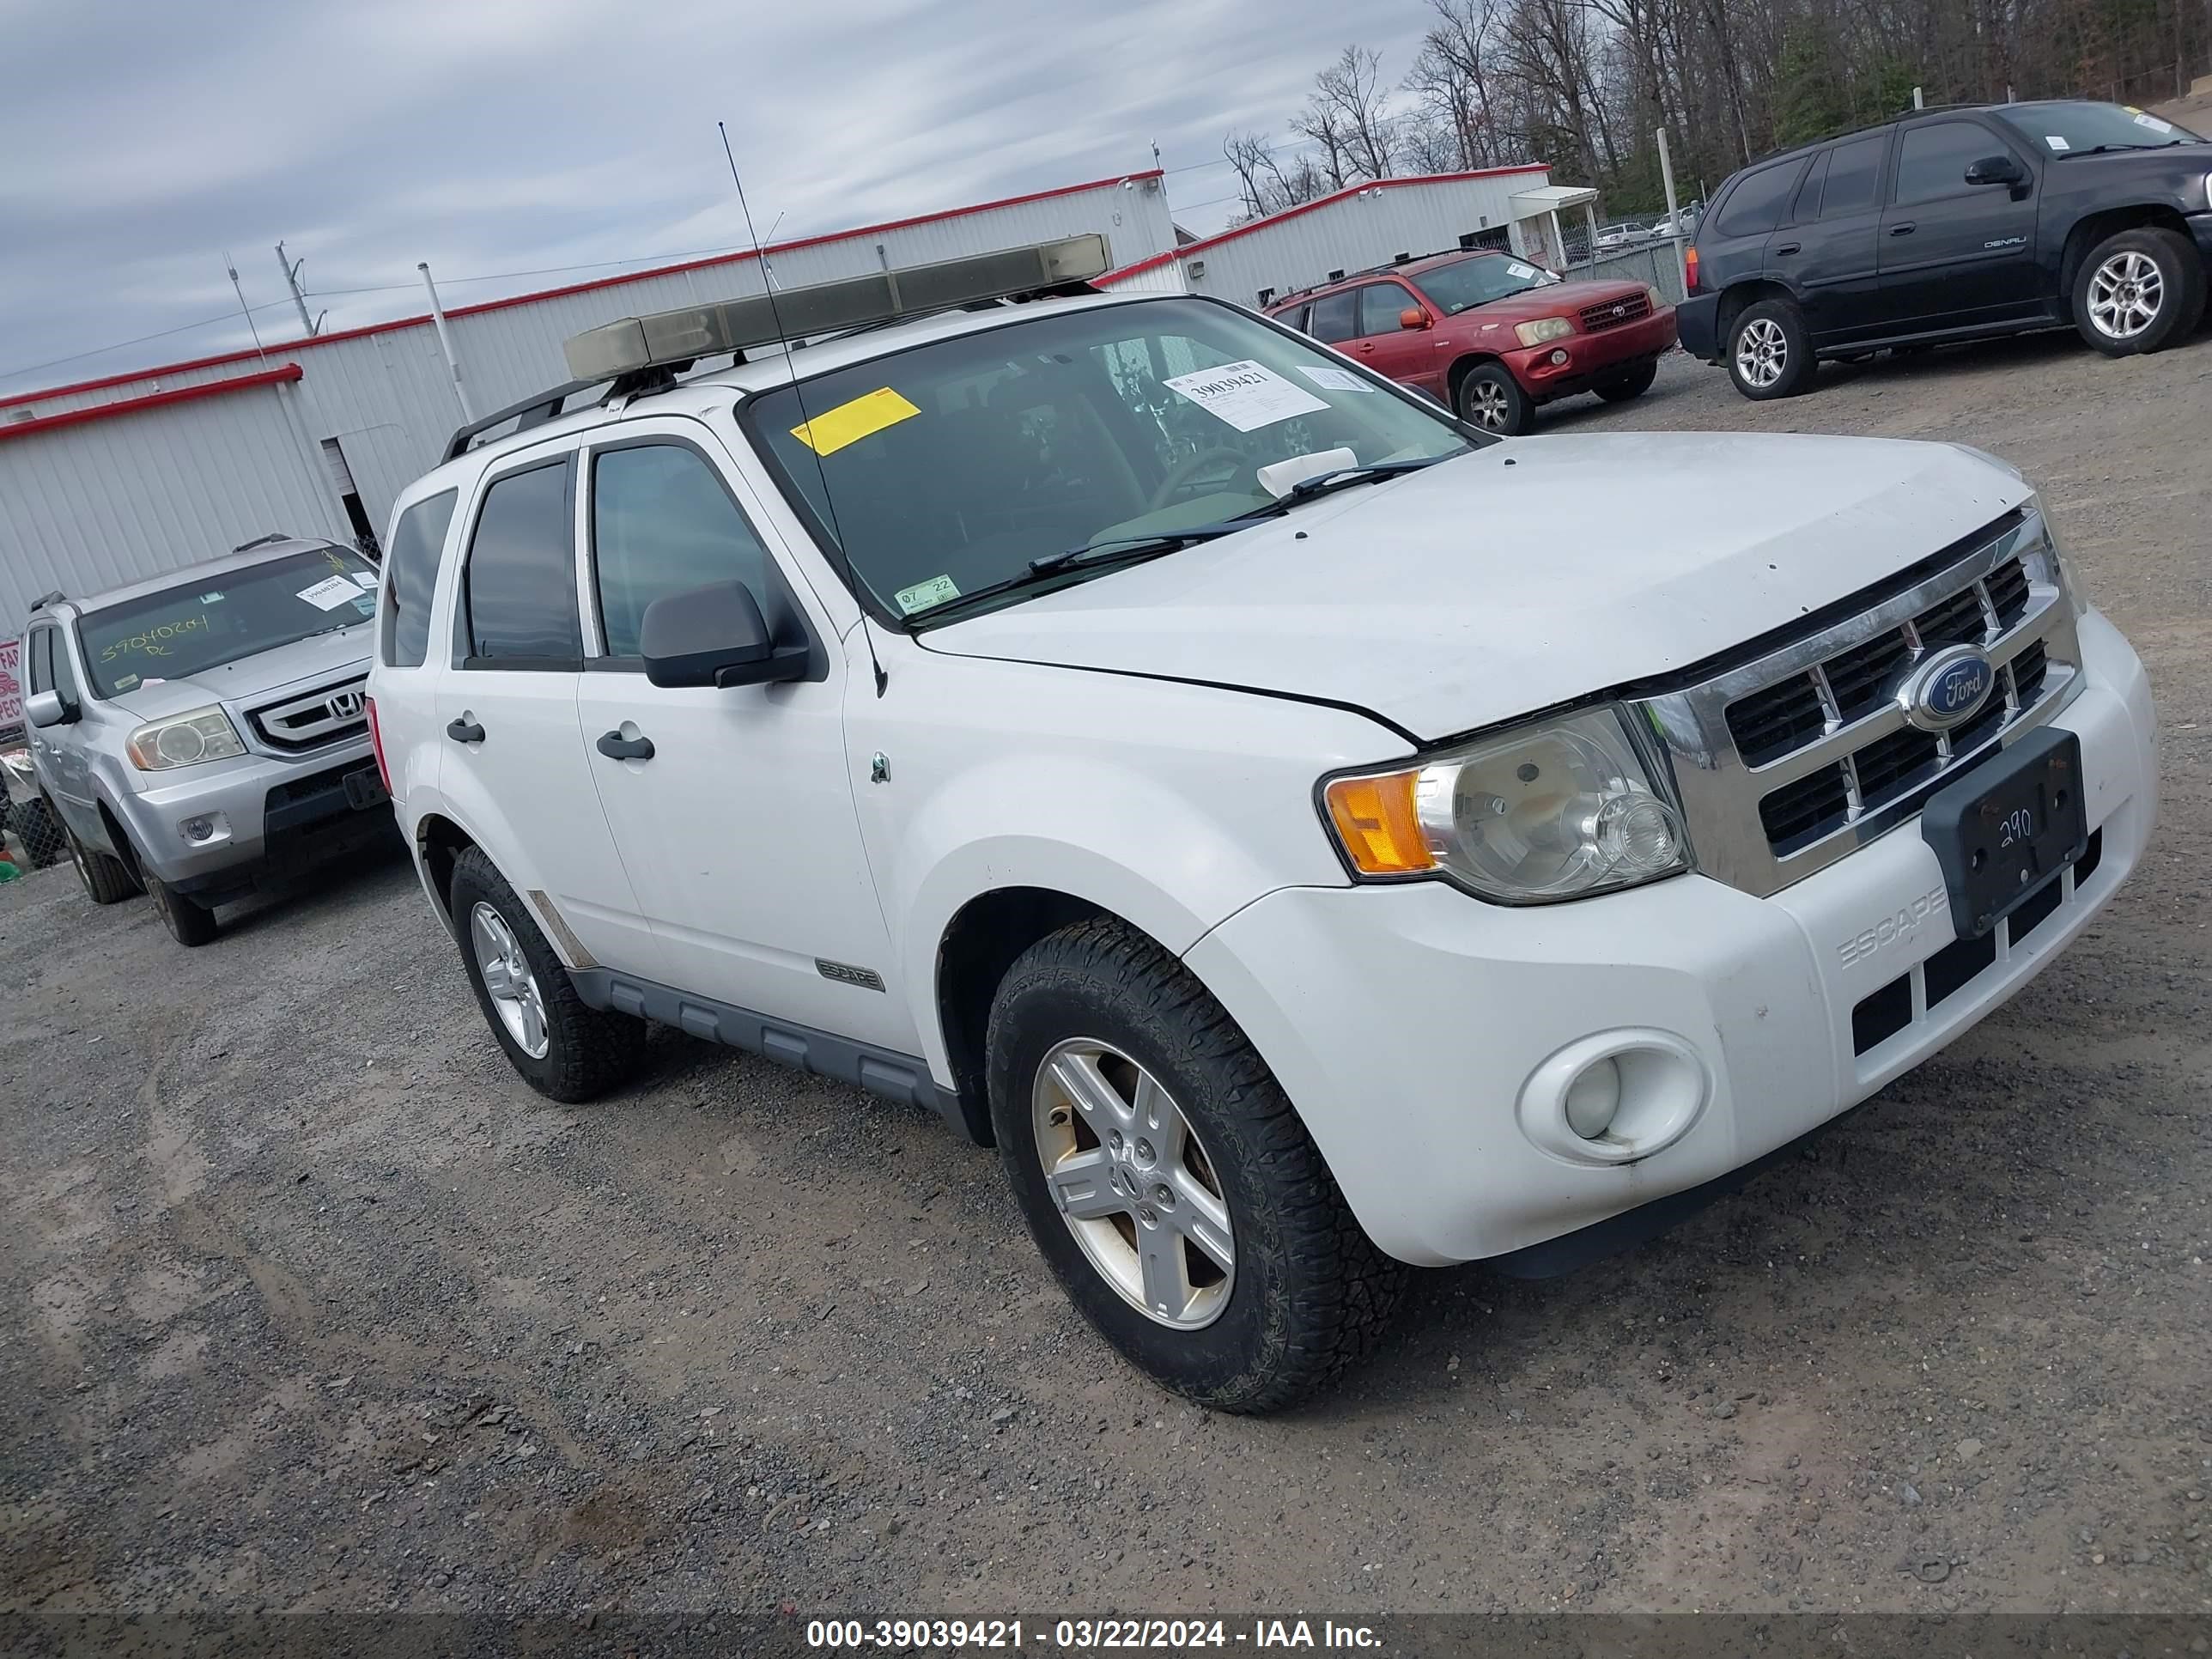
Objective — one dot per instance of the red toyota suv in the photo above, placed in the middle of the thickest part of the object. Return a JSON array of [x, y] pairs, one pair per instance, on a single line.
[[1490, 335]]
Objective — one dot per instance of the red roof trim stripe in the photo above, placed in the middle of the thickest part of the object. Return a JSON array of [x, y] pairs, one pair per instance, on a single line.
[[531, 298], [1320, 201], [183, 394]]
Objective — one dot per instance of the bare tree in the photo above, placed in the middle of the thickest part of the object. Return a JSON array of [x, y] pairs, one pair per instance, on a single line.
[[1350, 95]]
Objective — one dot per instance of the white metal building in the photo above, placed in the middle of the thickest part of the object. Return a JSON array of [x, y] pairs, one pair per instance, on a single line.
[[1362, 226], [109, 480]]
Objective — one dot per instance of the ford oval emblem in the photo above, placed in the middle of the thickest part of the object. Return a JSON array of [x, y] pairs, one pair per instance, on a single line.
[[1949, 688]]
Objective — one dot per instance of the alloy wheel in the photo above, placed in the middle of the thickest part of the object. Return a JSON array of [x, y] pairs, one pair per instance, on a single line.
[[1135, 1183], [1489, 405], [508, 981], [1762, 351], [2126, 295]]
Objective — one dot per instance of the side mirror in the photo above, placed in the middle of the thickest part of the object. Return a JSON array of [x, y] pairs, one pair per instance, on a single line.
[[44, 708], [1995, 170], [715, 635], [1412, 317]]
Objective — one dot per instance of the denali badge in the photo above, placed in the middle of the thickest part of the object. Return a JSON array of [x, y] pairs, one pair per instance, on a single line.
[[1949, 688]]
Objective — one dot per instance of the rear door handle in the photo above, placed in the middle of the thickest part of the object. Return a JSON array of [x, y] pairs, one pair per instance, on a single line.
[[615, 746], [1904, 229], [1786, 248], [461, 730]]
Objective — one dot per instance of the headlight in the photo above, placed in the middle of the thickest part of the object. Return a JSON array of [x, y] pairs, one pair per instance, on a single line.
[[1543, 329], [1652, 294], [1556, 808], [2043, 562], [205, 734]]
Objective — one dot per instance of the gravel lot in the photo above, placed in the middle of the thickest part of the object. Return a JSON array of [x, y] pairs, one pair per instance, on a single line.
[[311, 1305]]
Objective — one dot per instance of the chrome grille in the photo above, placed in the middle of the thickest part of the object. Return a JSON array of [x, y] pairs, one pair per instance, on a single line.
[[1614, 313], [320, 717], [1788, 762]]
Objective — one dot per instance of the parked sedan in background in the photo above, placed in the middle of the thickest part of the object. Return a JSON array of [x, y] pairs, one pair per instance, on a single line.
[[1488, 334]]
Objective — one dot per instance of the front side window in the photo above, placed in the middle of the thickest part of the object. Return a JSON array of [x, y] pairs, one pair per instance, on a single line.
[[1932, 161], [662, 524], [418, 544], [521, 577], [1380, 305], [952, 465], [206, 620], [41, 666], [1465, 284], [2076, 127], [1335, 317]]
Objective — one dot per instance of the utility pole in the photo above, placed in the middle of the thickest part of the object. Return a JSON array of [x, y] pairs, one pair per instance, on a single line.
[[291, 269], [1673, 211], [244, 309], [446, 343]]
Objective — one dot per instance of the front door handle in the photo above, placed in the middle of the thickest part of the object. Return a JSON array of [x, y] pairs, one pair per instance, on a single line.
[[1904, 229], [615, 746], [1786, 248], [463, 731]]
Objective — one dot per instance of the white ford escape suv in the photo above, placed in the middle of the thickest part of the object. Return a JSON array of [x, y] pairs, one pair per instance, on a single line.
[[1304, 836]]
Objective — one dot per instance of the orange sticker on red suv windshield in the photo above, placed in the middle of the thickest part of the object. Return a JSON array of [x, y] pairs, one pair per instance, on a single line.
[[847, 423]]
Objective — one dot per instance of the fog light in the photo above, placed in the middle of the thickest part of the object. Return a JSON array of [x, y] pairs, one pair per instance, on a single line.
[[1593, 1099], [198, 829], [205, 828], [1559, 355]]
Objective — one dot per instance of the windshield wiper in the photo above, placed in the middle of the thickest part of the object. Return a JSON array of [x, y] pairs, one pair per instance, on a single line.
[[1343, 477], [2099, 150], [1115, 550]]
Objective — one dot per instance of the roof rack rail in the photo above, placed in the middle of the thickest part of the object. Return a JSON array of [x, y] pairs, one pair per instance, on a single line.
[[45, 600], [543, 406], [264, 541]]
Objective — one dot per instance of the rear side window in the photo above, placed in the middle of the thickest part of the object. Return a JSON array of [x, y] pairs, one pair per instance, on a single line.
[[1335, 317], [1853, 170], [1754, 206], [662, 523], [418, 543], [1379, 305], [522, 575], [1932, 161]]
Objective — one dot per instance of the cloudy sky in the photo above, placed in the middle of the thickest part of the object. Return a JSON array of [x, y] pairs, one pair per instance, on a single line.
[[526, 143]]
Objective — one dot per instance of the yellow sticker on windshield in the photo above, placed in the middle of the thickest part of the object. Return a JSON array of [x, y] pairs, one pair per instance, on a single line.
[[847, 423]]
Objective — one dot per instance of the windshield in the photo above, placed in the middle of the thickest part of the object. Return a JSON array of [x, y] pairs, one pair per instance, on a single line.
[[1474, 282], [213, 620], [2076, 128], [953, 465]]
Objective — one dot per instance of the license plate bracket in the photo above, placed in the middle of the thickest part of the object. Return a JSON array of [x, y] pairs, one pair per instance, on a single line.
[[2008, 827], [365, 789]]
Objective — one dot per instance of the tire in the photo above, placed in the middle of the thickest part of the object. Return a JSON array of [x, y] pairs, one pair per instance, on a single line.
[[189, 922], [1634, 384], [1770, 354], [108, 879], [1303, 1291], [564, 1049], [2138, 290], [1490, 398]]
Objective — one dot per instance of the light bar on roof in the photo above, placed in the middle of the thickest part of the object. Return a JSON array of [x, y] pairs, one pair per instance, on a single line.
[[882, 296]]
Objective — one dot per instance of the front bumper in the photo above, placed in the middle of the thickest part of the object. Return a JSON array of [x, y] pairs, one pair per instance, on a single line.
[[1418, 1025], [1591, 357], [267, 817]]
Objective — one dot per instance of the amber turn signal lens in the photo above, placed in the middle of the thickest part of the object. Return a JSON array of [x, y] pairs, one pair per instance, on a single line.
[[1375, 821]]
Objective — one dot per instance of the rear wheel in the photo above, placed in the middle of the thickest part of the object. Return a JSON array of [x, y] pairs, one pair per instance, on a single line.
[[107, 879], [2136, 290], [1769, 353], [189, 921], [1490, 398], [1634, 384], [564, 1048], [1169, 1182]]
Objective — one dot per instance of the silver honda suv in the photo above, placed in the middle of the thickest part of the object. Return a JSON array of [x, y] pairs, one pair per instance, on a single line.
[[202, 731]]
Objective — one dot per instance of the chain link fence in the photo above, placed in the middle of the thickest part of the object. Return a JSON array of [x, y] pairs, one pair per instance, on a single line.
[[30, 836]]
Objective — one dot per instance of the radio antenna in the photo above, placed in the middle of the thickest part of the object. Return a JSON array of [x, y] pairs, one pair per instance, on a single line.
[[783, 340]]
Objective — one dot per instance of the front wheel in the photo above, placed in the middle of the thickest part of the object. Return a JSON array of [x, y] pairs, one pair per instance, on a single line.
[[2138, 289], [1770, 352], [189, 922], [1490, 398], [1169, 1182], [1634, 384], [564, 1048]]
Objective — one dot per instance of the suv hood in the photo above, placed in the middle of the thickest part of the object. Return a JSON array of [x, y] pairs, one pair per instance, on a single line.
[[1554, 299], [320, 659], [1527, 573]]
